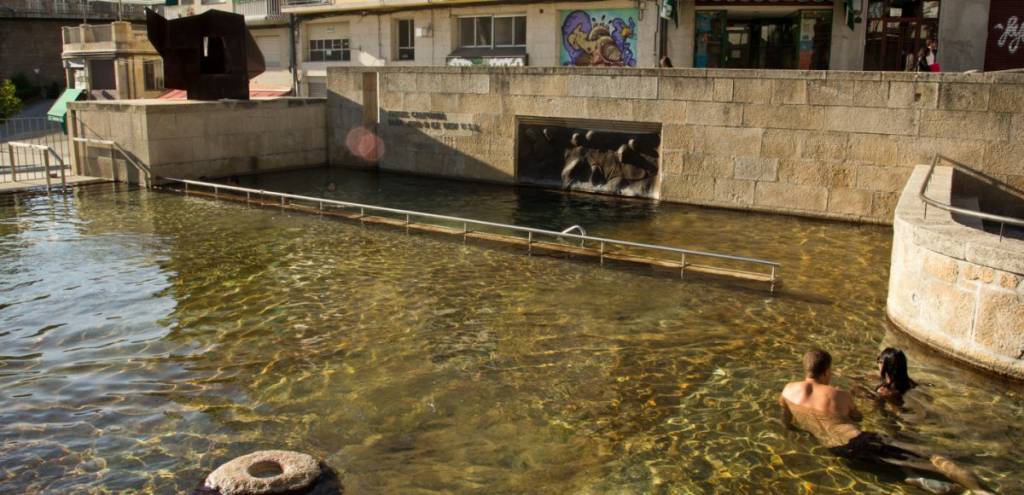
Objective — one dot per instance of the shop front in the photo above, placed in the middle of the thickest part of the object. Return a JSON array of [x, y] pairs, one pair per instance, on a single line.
[[756, 34], [897, 30]]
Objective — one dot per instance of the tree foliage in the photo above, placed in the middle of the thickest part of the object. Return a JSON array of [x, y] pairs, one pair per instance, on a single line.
[[10, 104]]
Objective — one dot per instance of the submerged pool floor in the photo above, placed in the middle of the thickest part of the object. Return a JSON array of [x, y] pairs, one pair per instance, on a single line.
[[147, 337]]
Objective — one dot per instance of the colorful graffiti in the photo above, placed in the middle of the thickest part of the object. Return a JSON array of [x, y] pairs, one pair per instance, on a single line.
[[599, 37]]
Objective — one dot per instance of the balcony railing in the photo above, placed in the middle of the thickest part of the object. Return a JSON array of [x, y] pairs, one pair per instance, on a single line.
[[105, 37], [76, 9], [306, 3], [258, 8]]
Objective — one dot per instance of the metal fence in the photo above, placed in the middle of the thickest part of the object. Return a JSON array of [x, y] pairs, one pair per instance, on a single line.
[[20, 163]]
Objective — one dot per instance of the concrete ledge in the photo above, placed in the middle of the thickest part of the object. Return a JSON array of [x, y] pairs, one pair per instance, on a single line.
[[192, 139], [956, 288]]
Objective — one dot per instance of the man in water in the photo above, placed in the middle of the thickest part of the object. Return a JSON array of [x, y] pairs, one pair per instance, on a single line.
[[829, 414]]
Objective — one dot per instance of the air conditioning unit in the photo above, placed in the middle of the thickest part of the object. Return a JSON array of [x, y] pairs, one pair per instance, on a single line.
[[424, 31]]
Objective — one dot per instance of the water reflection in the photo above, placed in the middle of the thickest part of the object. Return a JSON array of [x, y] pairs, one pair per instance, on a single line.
[[147, 337]]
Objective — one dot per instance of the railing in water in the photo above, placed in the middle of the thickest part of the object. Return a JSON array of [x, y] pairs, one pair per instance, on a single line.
[[470, 229], [1000, 219], [346, 209]]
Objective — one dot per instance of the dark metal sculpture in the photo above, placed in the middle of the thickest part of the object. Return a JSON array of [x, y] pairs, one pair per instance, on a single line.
[[211, 55]]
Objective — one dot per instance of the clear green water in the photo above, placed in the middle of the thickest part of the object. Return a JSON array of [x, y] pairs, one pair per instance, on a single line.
[[147, 337]]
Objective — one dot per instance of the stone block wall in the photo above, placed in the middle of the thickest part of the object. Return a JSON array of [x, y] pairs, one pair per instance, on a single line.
[[825, 144], [193, 139], [956, 288], [30, 44]]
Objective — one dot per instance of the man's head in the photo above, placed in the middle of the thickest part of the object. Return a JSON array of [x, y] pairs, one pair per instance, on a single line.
[[818, 365]]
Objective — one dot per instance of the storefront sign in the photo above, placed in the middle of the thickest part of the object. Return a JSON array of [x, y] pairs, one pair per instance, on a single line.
[[1004, 49]]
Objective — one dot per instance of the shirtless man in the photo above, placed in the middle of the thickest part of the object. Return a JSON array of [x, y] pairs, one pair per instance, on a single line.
[[829, 414]]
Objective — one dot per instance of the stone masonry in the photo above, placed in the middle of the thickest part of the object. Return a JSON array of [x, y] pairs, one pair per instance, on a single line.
[[954, 287], [826, 144], [193, 139]]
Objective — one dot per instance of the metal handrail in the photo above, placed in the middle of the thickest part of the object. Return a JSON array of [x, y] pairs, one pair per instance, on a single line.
[[577, 228], [1002, 220], [47, 151], [467, 221]]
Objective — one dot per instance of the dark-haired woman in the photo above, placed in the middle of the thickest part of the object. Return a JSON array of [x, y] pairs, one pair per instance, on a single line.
[[895, 381]]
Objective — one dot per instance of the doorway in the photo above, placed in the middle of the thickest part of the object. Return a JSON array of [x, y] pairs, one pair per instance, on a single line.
[[763, 39], [897, 30]]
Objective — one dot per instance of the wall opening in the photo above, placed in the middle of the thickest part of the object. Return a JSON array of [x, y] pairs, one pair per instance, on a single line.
[[619, 158]]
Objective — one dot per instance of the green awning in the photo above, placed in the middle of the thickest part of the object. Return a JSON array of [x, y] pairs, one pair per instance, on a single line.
[[60, 108], [59, 111]]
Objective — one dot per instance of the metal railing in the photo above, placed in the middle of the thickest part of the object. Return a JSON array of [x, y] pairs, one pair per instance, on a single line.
[[306, 3], [257, 8], [36, 131], [531, 232], [602, 242], [77, 9], [29, 169], [1000, 219]]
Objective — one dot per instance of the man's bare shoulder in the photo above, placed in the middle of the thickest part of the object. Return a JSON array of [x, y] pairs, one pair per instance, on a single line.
[[794, 392]]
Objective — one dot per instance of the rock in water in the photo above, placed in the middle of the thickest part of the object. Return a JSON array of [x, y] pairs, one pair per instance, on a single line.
[[265, 472]]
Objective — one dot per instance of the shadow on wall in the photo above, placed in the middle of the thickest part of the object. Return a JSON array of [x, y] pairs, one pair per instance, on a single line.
[[974, 189]]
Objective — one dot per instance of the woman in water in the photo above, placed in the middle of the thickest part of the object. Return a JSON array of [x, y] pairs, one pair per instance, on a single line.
[[895, 381]]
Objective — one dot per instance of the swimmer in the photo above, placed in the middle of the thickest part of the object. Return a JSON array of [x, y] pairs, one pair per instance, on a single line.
[[331, 187], [828, 413], [892, 368]]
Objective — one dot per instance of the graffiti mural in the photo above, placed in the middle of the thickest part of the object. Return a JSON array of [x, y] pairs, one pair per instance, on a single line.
[[604, 37]]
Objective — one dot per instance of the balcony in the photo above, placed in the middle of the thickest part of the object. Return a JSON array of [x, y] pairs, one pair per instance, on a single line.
[[105, 38], [255, 11], [259, 10], [77, 9]]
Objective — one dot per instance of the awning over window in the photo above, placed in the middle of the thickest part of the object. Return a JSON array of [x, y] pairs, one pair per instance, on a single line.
[[59, 111]]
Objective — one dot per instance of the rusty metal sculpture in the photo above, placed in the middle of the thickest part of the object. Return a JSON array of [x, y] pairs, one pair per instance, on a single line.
[[211, 55]]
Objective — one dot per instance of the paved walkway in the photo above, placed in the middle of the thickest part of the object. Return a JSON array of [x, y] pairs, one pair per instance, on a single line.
[[25, 185]]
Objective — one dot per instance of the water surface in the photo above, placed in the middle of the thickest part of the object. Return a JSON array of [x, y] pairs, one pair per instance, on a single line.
[[147, 337]]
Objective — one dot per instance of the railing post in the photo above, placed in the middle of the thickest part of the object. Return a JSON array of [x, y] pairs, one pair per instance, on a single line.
[[406, 224], [465, 231], [1002, 226], [63, 177], [682, 266], [14, 166], [771, 290], [46, 168], [602, 253], [113, 164], [529, 243]]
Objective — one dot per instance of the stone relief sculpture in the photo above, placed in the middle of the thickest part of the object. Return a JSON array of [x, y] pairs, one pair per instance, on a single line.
[[620, 163], [211, 55]]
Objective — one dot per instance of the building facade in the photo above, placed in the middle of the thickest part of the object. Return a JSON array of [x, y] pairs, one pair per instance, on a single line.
[[112, 61], [31, 33]]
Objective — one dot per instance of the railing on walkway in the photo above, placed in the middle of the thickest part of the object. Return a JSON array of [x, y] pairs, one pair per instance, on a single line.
[[38, 166], [1000, 219], [470, 228], [77, 9], [26, 163]]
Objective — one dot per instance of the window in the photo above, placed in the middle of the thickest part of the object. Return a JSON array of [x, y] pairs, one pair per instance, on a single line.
[[492, 31], [317, 87], [153, 73], [406, 40], [329, 51], [270, 47]]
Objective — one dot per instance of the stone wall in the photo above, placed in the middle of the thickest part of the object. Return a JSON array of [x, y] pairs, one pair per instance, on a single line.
[[954, 287], [824, 144], [29, 44], [192, 139]]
